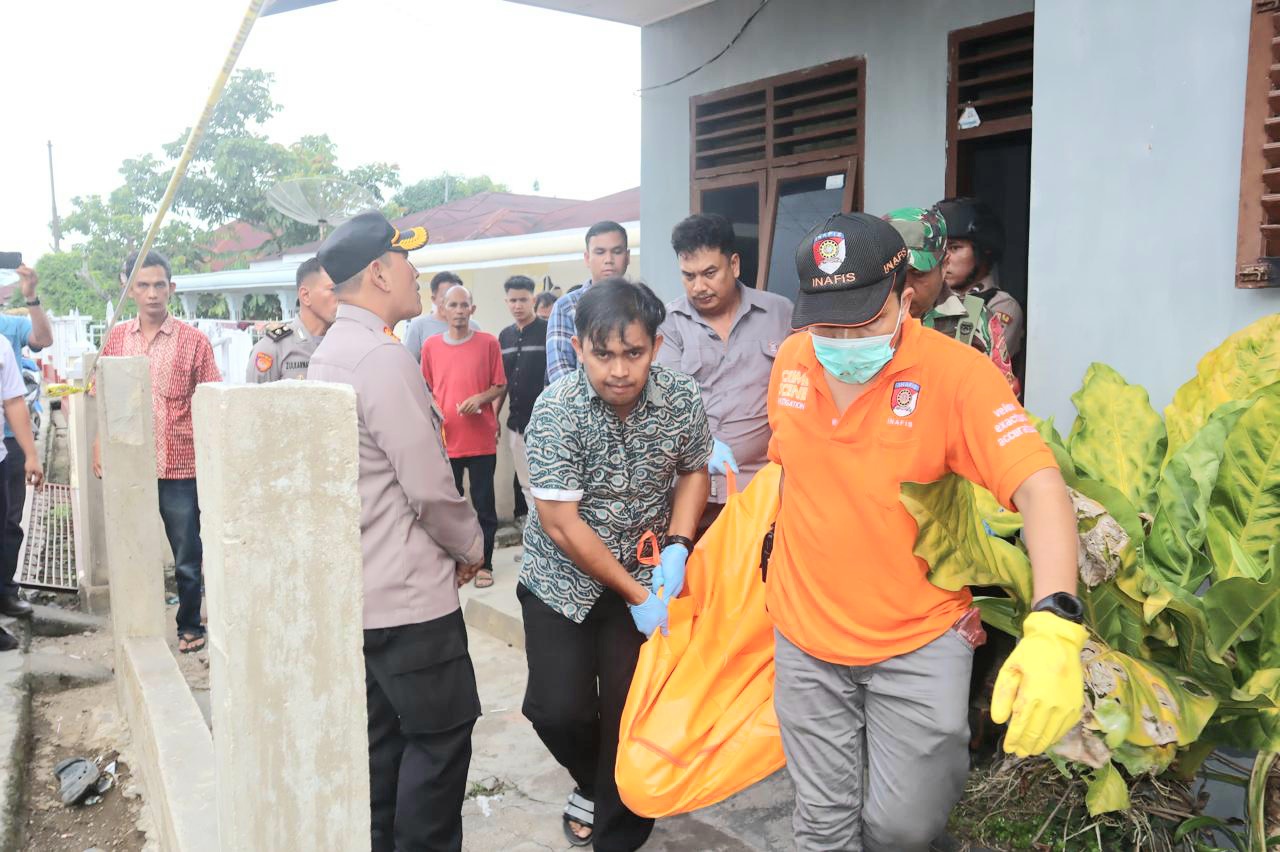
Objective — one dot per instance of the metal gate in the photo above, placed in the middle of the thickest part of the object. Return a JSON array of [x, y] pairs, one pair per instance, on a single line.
[[47, 559]]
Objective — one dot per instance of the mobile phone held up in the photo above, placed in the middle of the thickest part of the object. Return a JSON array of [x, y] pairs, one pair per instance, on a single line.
[[10, 259]]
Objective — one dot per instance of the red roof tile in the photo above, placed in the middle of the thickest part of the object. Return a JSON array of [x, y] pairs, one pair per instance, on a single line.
[[506, 214]]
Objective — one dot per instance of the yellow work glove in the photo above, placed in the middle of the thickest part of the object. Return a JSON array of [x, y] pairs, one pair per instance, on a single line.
[[1041, 685]]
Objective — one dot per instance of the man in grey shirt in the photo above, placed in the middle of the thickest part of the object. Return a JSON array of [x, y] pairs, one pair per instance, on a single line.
[[429, 325], [420, 541], [726, 336]]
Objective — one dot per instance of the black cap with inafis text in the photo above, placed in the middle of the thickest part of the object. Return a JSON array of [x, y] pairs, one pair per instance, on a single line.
[[847, 267]]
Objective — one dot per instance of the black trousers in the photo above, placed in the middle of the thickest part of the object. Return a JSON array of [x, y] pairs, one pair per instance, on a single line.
[[481, 469], [13, 496], [421, 694], [579, 675]]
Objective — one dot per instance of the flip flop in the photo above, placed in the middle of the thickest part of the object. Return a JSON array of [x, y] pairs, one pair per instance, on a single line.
[[582, 811], [484, 578], [193, 643], [76, 776]]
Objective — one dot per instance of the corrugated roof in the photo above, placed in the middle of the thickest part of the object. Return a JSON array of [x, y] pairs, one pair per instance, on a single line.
[[507, 214], [620, 207]]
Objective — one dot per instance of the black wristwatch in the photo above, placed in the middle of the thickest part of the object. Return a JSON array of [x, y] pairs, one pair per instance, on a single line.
[[679, 539], [31, 303], [1062, 605]]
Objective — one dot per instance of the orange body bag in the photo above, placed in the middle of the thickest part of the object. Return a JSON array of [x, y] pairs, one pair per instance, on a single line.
[[699, 723]]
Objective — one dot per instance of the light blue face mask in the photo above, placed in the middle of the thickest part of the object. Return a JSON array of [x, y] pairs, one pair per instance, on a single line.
[[855, 360]]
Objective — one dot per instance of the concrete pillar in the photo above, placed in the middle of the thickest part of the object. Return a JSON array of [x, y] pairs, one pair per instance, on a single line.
[[190, 303], [235, 303], [173, 747], [283, 572], [91, 540], [130, 502], [288, 303]]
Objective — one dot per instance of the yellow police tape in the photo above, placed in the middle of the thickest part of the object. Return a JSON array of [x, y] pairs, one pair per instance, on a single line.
[[61, 389]]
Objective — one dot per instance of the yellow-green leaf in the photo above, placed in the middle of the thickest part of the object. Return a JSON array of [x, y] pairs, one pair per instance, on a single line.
[[1244, 506], [1118, 438], [1182, 499], [1106, 791], [956, 545], [1243, 363], [1163, 706], [1236, 605]]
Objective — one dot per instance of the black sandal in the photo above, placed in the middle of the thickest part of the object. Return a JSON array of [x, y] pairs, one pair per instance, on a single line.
[[192, 642], [582, 811]]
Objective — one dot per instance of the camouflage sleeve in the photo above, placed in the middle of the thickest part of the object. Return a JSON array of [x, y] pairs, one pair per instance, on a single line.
[[999, 353]]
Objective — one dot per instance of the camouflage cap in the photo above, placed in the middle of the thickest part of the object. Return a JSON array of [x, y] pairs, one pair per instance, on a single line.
[[924, 232]]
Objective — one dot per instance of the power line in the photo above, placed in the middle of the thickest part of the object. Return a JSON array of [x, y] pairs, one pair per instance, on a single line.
[[722, 52]]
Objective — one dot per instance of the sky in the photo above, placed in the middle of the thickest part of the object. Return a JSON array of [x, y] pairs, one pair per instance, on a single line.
[[465, 86]]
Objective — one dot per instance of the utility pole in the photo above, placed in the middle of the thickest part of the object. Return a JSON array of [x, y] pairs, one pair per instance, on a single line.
[[53, 199]]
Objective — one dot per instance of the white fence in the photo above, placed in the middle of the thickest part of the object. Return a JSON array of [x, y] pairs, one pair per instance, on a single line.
[[75, 335]]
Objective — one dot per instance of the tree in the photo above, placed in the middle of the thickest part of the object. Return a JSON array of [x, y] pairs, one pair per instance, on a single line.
[[445, 187], [236, 163], [229, 174]]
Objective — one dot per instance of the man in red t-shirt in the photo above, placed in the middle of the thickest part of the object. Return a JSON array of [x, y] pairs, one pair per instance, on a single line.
[[463, 369]]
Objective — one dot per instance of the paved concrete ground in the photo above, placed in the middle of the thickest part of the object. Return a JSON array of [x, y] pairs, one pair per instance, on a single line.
[[526, 816], [15, 727]]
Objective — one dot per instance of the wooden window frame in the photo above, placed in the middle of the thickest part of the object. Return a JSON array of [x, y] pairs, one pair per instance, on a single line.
[[769, 85], [769, 169], [726, 181], [988, 128], [1260, 157], [815, 169]]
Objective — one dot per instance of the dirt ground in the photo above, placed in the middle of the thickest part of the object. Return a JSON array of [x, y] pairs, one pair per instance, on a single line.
[[86, 722], [82, 722]]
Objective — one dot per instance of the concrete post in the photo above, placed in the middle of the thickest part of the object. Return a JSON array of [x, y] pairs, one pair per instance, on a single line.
[[283, 571], [175, 751], [287, 298], [91, 542], [130, 501]]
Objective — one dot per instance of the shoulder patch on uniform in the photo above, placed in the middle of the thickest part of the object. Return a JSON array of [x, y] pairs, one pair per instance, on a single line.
[[263, 362], [278, 332]]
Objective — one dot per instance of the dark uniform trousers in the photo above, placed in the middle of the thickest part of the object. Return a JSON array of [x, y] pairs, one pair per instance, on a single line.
[[13, 484], [421, 694], [579, 676]]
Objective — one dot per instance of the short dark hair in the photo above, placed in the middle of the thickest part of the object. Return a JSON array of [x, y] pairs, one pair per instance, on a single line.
[[309, 267], [153, 258], [546, 297], [609, 307], [900, 282], [518, 282], [606, 226], [704, 231], [442, 278]]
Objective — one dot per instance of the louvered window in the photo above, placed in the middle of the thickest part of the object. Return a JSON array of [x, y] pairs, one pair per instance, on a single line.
[[786, 147], [989, 80], [1258, 234], [799, 117]]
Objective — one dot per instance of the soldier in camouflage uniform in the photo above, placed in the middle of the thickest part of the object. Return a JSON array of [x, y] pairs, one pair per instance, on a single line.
[[284, 352], [966, 319]]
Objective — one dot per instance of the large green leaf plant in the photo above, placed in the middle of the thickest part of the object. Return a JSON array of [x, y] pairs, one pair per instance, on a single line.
[[1179, 523]]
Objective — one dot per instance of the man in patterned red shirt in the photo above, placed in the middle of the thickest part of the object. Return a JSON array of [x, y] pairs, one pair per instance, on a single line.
[[181, 358]]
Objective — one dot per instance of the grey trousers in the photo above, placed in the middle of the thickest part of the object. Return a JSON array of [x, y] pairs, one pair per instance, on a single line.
[[878, 754]]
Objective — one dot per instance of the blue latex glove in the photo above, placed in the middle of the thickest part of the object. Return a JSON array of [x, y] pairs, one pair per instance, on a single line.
[[721, 457], [669, 574], [650, 615]]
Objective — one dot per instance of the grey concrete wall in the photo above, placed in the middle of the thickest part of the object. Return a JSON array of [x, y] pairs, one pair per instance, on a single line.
[[905, 46], [1135, 181]]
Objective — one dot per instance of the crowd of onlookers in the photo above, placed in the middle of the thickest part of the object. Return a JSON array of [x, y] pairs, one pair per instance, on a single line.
[[627, 418]]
